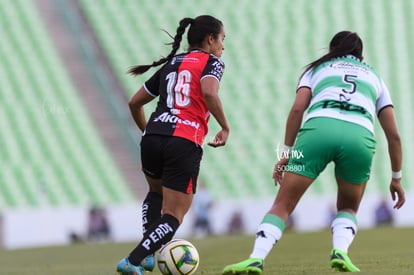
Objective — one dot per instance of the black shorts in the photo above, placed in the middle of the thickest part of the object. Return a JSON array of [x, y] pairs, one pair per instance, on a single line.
[[175, 160]]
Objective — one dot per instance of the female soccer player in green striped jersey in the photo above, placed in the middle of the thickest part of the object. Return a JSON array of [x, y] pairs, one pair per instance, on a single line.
[[342, 96]]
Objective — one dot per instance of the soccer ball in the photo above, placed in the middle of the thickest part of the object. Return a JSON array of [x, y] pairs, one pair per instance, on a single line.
[[178, 257]]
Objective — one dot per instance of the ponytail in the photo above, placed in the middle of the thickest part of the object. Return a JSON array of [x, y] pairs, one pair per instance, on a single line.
[[140, 69], [342, 44]]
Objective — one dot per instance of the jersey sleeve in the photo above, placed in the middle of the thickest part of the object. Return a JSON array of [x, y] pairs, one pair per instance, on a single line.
[[384, 99], [305, 80], [214, 68], [152, 85]]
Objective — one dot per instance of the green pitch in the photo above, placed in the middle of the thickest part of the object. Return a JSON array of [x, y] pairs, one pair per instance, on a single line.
[[377, 251]]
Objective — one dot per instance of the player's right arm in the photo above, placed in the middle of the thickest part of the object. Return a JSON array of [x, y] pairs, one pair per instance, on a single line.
[[294, 120], [387, 120], [136, 107], [293, 124]]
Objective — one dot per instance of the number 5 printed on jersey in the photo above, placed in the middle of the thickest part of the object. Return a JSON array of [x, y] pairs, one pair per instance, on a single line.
[[178, 89], [349, 79]]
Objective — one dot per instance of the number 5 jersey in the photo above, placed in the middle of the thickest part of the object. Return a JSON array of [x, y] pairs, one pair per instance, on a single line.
[[347, 89]]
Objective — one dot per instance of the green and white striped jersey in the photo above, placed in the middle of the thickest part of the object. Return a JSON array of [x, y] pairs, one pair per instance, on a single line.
[[347, 89]]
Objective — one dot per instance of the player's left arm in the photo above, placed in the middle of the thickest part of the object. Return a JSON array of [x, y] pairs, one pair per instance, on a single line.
[[389, 125], [209, 88]]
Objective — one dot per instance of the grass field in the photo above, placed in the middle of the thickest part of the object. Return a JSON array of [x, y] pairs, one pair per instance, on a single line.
[[377, 251]]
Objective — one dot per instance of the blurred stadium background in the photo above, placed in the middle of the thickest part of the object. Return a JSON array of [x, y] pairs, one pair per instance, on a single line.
[[68, 142]]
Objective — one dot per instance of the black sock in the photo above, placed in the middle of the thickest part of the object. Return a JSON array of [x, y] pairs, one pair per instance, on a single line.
[[160, 233], [151, 210]]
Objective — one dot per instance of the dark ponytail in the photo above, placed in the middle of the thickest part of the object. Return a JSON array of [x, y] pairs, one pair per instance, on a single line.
[[342, 44], [201, 26], [140, 69]]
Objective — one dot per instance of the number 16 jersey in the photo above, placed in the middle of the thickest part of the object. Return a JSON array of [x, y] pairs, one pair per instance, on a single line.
[[181, 109]]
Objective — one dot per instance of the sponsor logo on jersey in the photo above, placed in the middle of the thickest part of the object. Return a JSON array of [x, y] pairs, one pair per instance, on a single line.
[[186, 59], [350, 66], [168, 118], [217, 69]]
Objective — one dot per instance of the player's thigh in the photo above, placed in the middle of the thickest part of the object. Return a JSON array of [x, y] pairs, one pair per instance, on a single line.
[[152, 156], [314, 148], [181, 165], [354, 158]]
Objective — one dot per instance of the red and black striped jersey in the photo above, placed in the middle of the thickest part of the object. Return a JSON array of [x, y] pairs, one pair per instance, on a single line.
[[181, 110]]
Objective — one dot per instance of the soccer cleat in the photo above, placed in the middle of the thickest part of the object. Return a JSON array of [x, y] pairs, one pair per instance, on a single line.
[[341, 262], [126, 268], [252, 266], [148, 263]]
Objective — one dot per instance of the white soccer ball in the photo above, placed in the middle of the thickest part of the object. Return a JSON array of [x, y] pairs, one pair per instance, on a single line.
[[178, 257]]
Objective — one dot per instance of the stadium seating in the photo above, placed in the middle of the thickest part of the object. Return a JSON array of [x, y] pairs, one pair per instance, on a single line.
[[51, 153], [267, 45], [130, 38]]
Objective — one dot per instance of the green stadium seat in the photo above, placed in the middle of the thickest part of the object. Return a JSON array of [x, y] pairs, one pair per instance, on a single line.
[[267, 47], [51, 152]]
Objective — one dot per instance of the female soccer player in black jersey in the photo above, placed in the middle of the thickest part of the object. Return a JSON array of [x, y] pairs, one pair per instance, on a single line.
[[171, 147]]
